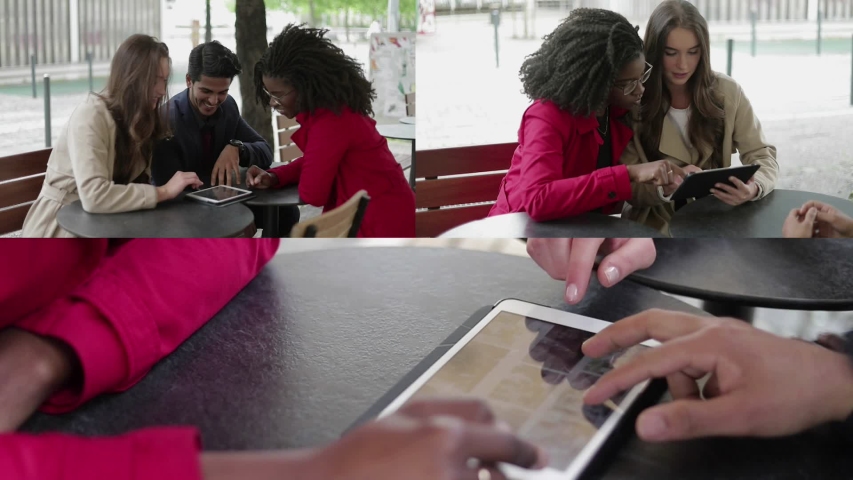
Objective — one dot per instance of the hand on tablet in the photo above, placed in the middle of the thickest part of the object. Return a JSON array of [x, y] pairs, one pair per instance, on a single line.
[[760, 384], [831, 223], [672, 187], [260, 179], [177, 184], [573, 260], [658, 173], [226, 170], [740, 193], [427, 440]]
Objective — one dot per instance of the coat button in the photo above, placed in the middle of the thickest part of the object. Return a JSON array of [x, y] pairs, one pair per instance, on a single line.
[[611, 195]]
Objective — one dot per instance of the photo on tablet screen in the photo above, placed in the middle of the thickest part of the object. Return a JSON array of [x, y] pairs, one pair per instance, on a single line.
[[531, 372]]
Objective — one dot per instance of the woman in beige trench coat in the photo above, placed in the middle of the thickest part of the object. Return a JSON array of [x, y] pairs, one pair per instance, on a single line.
[[103, 154]]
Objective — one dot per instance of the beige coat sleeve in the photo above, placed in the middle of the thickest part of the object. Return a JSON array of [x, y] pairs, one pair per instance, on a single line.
[[748, 139], [88, 149]]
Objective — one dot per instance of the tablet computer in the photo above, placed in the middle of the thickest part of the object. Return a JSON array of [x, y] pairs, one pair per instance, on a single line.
[[699, 184], [525, 361], [220, 195]]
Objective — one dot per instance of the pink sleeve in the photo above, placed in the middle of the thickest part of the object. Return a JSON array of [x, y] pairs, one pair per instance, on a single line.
[[288, 174], [144, 299], [170, 453], [326, 143], [547, 194]]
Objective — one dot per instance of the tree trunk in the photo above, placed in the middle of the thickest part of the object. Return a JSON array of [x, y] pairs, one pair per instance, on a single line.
[[208, 36], [251, 35], [312, 20]]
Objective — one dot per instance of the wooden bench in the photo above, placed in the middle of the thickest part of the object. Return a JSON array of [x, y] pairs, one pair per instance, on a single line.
[[287, 150], [21, 178], [458, 185]]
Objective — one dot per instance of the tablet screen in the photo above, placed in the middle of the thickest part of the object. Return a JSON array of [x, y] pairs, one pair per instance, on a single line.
[[220, 193], [533, 375]]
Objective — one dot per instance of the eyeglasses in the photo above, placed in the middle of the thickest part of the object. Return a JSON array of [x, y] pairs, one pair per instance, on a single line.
[[277, 100], [632, 85]]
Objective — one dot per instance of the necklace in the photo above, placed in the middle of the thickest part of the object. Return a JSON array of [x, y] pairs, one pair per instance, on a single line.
[[606, 123]]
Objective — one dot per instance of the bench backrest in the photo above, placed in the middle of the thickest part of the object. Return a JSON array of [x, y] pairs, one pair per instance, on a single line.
[[21, 178], [458, 185]]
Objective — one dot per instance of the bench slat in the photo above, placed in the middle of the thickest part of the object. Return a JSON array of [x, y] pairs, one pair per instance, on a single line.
[[464, 160], [432, 223], [458, 190], [24, 164]]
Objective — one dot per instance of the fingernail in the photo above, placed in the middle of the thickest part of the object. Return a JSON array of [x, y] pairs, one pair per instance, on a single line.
[[572, 293], [651, 426], [612, 274]]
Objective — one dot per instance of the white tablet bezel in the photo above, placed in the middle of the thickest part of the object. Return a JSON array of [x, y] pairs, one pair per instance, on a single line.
[[243, 194], [546, 314]]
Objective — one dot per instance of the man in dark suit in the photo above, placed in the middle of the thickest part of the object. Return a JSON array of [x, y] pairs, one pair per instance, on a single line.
[[210, 137]]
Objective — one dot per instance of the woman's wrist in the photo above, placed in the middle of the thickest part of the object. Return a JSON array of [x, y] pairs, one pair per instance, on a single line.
[[270, 465]]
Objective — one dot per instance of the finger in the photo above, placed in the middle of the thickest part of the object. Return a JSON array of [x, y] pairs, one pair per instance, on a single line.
[[685, 419], [551, 254], [685, 353], [633, 255], [682, 386], [739, 184], [811, 215], [237, 174], [726, 198], [491, 446], [677, 171], [727, 189], [712, 387], [221, 176], [469, 473], [660, 325], [469, 410], [581, 261]]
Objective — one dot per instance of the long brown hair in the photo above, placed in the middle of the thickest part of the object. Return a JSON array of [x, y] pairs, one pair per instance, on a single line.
[[133, 75], [707, 118]]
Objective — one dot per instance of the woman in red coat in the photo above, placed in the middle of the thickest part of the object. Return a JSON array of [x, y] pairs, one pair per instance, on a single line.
[[584, 79], [305, 76]]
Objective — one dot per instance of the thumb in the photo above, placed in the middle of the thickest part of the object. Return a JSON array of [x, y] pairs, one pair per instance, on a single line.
[[811, 215], [633, 255], [693, 418]]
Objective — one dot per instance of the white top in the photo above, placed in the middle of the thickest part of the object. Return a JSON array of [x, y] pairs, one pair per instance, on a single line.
[[681, 117]]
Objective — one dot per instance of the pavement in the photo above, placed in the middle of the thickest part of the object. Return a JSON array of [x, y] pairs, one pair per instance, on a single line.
[[803, 101]]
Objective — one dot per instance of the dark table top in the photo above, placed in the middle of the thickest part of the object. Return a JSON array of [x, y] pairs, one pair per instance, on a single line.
[[318, 337], [271, 197], [801, 274], [709, 217], [520, 225], [178, 218]]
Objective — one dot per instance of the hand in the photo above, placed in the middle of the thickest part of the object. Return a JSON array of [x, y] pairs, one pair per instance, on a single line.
[[227, 163], [672, 187], [740, 193], [572, 260], [658, 173], [32, 368], [831, 223], [259, 179], [800, 226], [427, 440], [177, 184], [760, 384]]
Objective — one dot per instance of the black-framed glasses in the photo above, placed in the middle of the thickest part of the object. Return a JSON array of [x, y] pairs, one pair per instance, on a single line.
[[632, 85]]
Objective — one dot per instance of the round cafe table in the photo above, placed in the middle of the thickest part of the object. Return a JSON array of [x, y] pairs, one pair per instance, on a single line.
[[270, 200], [408, 120], [401, 131], [318, 337], [520, 225], [733, 276], [709, 217], [177, 218]]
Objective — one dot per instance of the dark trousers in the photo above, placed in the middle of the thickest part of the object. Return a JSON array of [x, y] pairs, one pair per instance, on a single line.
[[287, 218]]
